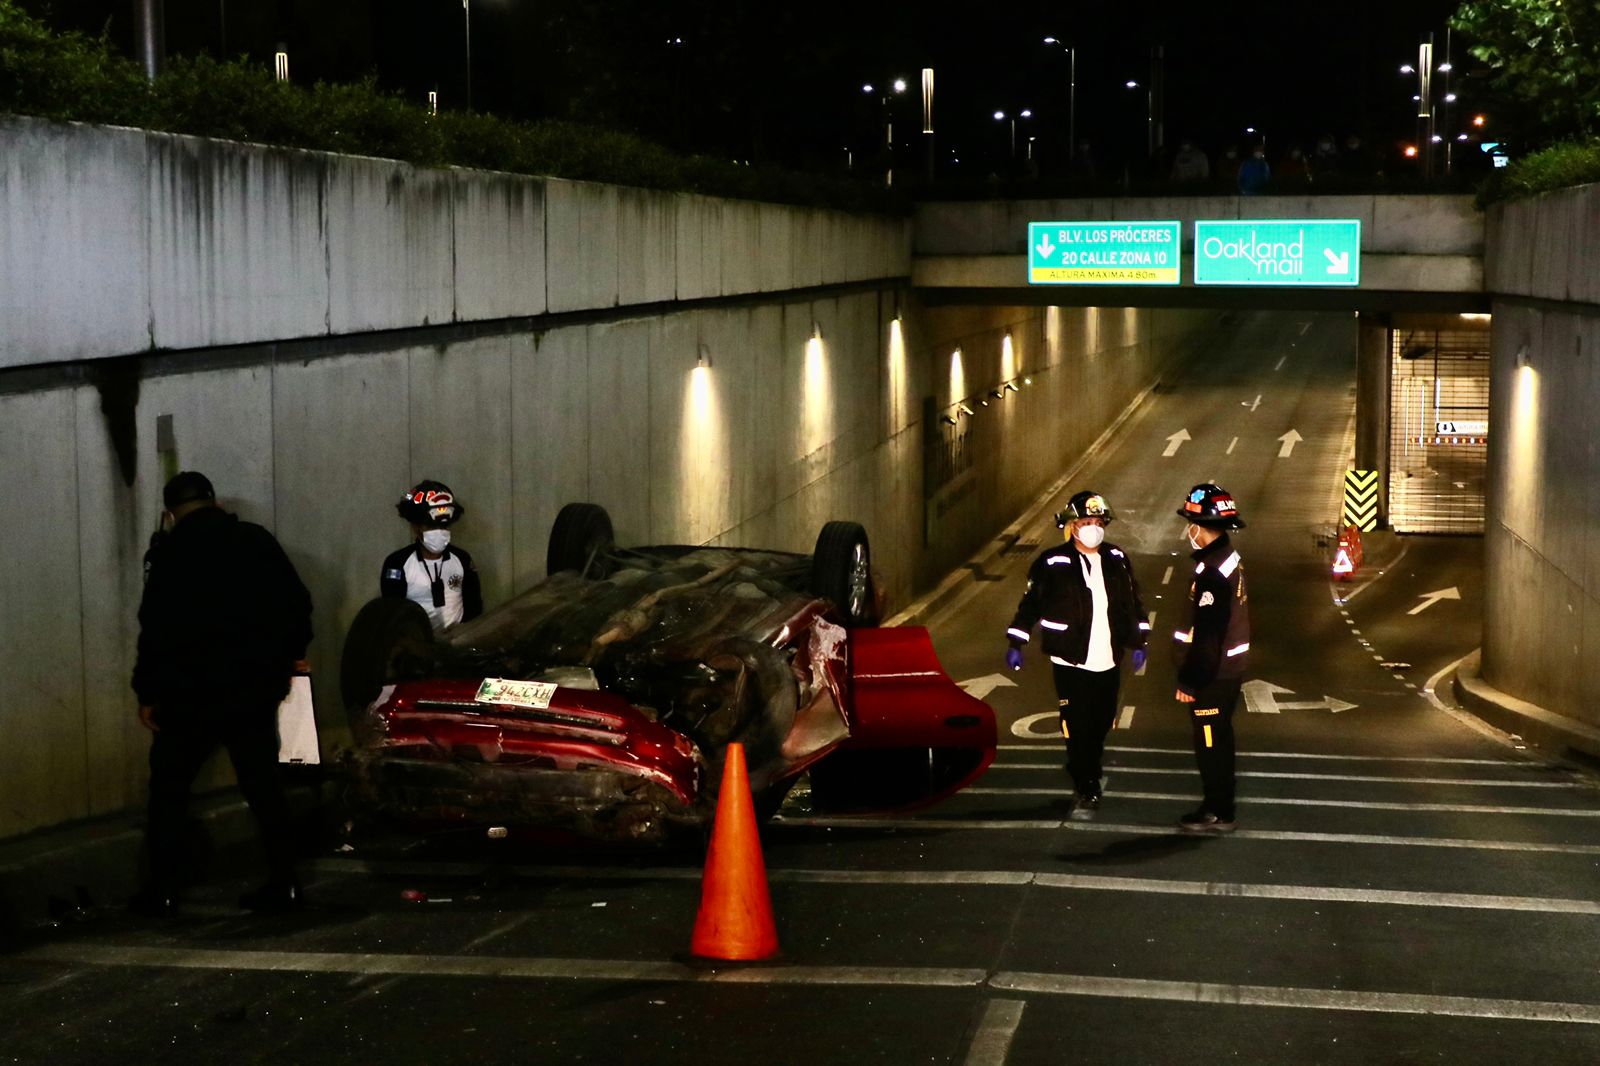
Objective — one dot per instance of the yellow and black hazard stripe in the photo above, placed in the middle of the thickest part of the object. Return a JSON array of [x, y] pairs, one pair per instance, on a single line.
[[1360, 500]]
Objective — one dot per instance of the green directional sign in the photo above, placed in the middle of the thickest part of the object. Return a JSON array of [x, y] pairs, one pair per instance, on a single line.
[[1104, 253], [1278, 251]]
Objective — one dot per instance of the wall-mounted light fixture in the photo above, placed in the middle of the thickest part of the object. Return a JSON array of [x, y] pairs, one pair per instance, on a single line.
[[1011, 386], [997, 392], [280, 64], [1524, 358], [963, 408], [703, 358], [947, 420]]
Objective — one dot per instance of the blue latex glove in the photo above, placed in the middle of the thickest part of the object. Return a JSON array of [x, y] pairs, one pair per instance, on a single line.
[[1138, 659], [1014, 658]]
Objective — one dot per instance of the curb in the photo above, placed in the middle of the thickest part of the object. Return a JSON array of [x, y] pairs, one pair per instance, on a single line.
[[1535, 725]]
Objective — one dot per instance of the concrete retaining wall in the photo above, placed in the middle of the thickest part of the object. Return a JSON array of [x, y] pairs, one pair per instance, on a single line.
[[124, 241], [1542, 536], [779, 435]]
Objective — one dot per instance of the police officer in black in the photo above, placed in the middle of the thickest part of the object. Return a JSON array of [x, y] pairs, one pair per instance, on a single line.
[[1212, 650], [1083, 597], [222, 624]]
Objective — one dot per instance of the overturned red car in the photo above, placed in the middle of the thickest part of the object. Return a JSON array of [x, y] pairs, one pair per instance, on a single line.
[[600, 702]]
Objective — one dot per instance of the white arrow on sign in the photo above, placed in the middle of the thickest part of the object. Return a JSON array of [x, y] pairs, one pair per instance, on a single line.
[[1431, 598], [979, 687], [1261, 697], [1175, 442], [1289, 439], [1337, 264], [1044, 247]]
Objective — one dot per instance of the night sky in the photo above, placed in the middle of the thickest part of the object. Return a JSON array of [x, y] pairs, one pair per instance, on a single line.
[[782, 82]]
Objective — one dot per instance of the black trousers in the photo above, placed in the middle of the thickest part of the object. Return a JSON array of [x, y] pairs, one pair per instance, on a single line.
[[1211, 715], [189, 735], [1088, 708]]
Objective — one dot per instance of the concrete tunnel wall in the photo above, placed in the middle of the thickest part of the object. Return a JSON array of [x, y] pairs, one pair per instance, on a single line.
[[812, 407], [1541, 630]]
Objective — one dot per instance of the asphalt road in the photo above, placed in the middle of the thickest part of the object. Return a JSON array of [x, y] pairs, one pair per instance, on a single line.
[[1403, 887]]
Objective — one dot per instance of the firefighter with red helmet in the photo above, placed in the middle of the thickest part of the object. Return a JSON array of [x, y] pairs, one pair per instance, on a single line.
[[1083, 597], [1212, 649], [431, 572]]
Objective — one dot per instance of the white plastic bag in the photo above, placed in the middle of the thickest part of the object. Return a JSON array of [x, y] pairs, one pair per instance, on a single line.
[[297, 725]]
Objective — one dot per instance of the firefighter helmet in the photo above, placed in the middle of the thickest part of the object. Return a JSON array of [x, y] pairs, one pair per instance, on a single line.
[[430, 503], [1085, 504], [1211, 506]]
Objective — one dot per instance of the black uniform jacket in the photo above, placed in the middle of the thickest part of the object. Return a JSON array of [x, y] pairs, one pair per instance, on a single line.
[[1215, 643], [395, 587], [1061, 605], [224, 615]]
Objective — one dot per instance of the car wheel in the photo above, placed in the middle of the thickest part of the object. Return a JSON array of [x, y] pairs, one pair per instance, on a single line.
[[390, 640], [581, 540], [841, 570]]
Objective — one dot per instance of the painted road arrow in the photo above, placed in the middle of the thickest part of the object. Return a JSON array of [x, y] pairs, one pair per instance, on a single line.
[[1175, 442], [1289, 439], [980, 687], [1431, 598], [1261, 697]]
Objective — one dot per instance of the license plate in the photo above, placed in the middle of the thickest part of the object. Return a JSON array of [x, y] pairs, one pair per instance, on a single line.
[[510, 693]]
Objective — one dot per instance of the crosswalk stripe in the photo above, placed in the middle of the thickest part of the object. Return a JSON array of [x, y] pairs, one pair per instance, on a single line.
[[525, 968], [1528, 764], [1129, 829], [963, 878], [1281, 801], [1388, 779], [1304, 998]]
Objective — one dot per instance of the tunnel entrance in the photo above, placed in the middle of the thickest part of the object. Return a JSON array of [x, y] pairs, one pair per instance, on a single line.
[[1438, 424]]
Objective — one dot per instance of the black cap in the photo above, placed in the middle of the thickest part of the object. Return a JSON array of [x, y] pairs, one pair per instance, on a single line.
[[187, 487]]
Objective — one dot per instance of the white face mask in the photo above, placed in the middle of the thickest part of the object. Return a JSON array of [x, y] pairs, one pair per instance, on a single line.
[[436, 540], [1091, 536], [1188, 535]]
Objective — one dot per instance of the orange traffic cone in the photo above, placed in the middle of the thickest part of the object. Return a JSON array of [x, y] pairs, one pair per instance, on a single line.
[[735, 919]]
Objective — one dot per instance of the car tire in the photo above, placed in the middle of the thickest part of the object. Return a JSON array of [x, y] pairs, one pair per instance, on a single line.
[[581, 539], [390, 640], [841, 570]]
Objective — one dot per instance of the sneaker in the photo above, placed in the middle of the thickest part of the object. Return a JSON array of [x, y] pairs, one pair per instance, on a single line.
[[1084, 807], [1203, 821]]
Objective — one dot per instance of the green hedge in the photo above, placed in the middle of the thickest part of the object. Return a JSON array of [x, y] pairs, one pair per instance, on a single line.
[[1558, 167], [73, 77]]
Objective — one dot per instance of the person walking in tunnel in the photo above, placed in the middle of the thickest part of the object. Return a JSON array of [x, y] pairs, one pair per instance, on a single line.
[[223, 624], [1212, 650], [431, 572], [1084, 598]]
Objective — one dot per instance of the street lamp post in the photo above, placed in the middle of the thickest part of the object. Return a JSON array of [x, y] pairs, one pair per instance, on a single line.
[[466, 18], [897, 87], [1149, 117], [1072, 95]]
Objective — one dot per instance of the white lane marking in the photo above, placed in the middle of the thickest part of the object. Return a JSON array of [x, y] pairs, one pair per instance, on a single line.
[[1252, 404], [992, 1043], [1024, 727], [904, 976], [1303, 327], [1166, 576], [1279, 364], [1350, 594], [1430, 598], [1474, 782], [1521, 763], [1127, 829], [1124, 720], [1231, 444], [1175, 442], [1336, 999], [980, 687], [1320, 893], [1285, 801], [499, 966], [1014, 878]]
